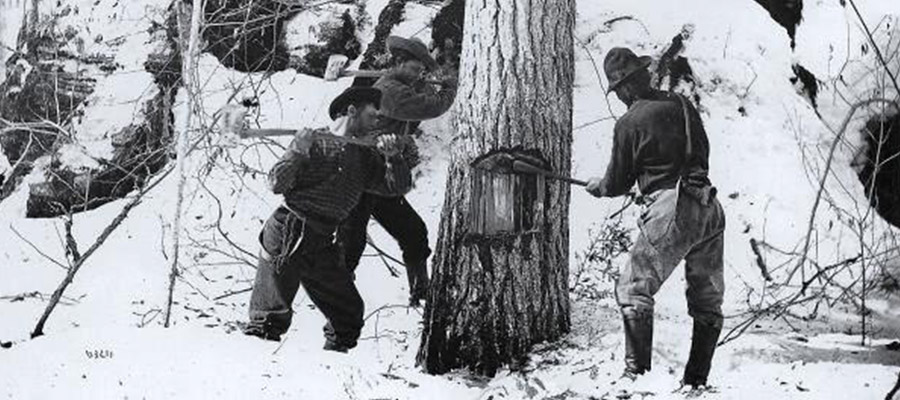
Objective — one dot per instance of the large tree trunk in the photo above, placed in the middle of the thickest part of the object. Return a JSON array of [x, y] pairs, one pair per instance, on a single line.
[[499, 282]]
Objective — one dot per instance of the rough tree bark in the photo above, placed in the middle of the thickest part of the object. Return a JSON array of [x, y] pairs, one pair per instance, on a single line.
[[494, 295]]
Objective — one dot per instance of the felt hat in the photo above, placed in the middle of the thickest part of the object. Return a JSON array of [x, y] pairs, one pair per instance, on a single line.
[[352, 95], [414, 47], [621, 63]]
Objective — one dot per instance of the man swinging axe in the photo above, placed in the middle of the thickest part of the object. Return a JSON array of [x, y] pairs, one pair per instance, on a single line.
[[660, 143], [322, 180], [406, 101]]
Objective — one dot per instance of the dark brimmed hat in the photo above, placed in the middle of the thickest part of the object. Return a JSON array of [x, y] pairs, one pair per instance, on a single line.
[[414, 47], [621, 63], [353, 94]]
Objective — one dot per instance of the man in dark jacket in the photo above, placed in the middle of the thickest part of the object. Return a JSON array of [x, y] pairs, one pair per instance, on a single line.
[[406, 101], [321, 180], [660, 143]]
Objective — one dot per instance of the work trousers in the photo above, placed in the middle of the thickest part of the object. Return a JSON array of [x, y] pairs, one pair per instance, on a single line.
[[402, 222], [294, 254], [677, 224]]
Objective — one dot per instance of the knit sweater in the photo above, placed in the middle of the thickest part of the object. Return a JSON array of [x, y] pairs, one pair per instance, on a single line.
[[324, 185]]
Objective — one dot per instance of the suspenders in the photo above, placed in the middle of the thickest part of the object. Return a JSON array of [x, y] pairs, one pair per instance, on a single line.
[[688, 146]]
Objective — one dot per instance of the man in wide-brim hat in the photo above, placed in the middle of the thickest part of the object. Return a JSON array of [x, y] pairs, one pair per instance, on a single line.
[[406, 101], [661, 145], [321, 180]]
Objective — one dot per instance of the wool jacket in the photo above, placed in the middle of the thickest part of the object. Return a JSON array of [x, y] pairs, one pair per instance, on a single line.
[[649, 147], [324, 185], [404, 103]]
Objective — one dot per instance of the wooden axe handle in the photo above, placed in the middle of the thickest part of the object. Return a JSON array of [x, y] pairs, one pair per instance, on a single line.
[[362, 73], [290, 132], [378, 74], [521, 166]]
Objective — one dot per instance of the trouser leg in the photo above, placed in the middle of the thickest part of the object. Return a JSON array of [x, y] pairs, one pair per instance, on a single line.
[[639, 280], [352, 232], [277, 277], [657, 251], [331, 288], [703, 346], [704, 270], [405, 225], [705, 291]]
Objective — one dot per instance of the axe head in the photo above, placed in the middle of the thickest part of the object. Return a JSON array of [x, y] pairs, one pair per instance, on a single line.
[[498, 163], [337, 63], [510, 162], [231, 123]]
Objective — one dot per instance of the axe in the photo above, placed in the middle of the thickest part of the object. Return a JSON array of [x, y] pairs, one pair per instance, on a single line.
[[510, 163], [516, 163], [336, 68], [523, 167], [233, 128]]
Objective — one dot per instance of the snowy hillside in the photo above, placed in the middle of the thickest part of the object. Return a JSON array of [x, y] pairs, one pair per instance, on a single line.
[[769, 146]]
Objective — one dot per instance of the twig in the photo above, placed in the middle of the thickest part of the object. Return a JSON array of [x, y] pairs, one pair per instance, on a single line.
[[838, 135], [229, 294], [599, 79], [35, 248], [628, 202], [894, 390], [596, 121], [38, 295], [71, 244], [148, 317], [759, 260], [875, 47], [183, 279], [388, 307], [284, 339], [862, 260], [383, 254]]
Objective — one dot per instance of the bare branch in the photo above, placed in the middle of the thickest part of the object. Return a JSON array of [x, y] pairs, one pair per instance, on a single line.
[[35, 248], [839, 134], [875, 47], [759, 260], [57, 294]]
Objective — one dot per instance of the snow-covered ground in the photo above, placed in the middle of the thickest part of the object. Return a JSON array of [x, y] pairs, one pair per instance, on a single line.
[[105, 339]]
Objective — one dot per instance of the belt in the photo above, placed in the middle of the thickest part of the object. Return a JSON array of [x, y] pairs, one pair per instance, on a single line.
[[647, 199], [702, 193], [322, 228]]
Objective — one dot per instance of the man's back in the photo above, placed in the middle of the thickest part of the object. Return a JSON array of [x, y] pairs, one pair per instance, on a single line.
[[652, 137]]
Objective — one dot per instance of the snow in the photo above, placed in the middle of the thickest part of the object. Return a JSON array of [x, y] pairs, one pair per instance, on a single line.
[[741, 59]]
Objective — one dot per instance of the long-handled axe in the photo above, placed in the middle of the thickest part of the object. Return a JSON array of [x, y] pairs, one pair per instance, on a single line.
[[233, 128], [336, 68], [510, 163], [517, 163]]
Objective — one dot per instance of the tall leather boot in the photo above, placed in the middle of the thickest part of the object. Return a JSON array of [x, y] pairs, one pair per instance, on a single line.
[[703, 345], [638, 342]]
